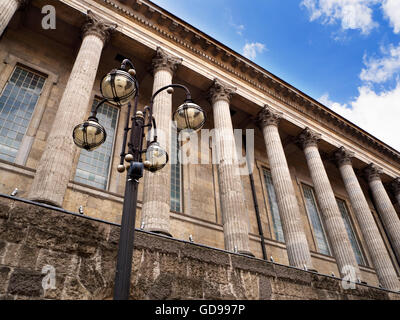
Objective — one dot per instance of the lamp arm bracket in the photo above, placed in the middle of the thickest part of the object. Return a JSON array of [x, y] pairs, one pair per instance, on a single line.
[[174, 85], [125, 62], [96, 108]]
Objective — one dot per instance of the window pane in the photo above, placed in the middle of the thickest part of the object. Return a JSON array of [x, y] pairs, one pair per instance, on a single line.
[[273, 205], [322, 243], [94, 166], [350, 232], [175, 175], [17, 103]]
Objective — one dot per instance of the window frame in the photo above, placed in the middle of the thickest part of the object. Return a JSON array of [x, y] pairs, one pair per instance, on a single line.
[[269, 209], [320, 218], [10, 62], [22, 148], [179, 150], [385, 239], [353, 228]]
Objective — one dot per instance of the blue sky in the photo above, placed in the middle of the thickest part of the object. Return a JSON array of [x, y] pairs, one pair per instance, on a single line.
[[344, 53]]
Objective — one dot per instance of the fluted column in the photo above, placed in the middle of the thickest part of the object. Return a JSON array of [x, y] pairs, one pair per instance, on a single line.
[[54, 169], [335, 227], [157, 185], [296, 242], [7, 11], [396, 189], [376, 247], [234, 211], [384, 205]]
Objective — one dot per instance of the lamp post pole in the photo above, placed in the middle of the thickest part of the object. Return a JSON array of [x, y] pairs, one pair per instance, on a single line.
[[126, 241]]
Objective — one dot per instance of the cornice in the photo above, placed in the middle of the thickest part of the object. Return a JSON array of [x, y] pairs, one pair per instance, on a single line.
[[208, 49]]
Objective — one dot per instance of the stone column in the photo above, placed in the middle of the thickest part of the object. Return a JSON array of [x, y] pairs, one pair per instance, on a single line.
[[336, 230], [234, 211], [7, 11], [54, 169], [384, 206], [396, 189], [376, 247], [157, 185], [296, 242]]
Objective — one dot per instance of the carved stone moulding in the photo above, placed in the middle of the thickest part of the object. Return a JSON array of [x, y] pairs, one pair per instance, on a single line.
[[163, 60], [268, 116], [372, 172], [343, 156], [95, 25], [308, 138], [220, 91], [396, 186]]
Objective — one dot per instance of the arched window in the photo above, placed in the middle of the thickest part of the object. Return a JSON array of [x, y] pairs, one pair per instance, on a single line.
[[94, 166], [17, 103]]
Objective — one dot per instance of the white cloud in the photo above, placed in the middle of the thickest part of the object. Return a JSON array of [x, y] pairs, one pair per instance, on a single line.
[[352, 14], [329, 103], [391, 9], [376, 113], [380, 70], [250, 50], [239, 29]]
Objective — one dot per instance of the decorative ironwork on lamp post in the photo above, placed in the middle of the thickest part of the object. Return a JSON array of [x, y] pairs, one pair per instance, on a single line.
[[119, 87]]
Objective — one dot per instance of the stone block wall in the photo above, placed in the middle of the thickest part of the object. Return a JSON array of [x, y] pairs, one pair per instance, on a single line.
[[81, 253]]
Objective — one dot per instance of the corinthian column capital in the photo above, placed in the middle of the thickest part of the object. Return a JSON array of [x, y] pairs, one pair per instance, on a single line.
[[95, 25], [164, 61], [343, 156], [308, 138], [396, 186], [268, 116], [372, 172], [220, 91]]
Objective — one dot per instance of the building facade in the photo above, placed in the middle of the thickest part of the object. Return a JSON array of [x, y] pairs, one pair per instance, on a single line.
[[321, 193]]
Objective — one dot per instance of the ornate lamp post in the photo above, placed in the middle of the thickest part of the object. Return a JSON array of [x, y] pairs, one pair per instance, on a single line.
[[119, 87]]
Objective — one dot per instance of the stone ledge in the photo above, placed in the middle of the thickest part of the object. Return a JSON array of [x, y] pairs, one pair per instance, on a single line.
[[83, 253]]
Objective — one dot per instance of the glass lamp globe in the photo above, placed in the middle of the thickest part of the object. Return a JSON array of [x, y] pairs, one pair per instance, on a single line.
[[155, 158], [89, 135], [189, 116], [118, 87]]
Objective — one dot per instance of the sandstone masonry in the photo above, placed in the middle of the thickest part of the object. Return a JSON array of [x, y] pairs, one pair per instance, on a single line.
[[83, 253]]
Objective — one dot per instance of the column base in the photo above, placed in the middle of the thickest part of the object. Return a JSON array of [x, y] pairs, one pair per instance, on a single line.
[[159, 231], [45, 201], [247, 253]]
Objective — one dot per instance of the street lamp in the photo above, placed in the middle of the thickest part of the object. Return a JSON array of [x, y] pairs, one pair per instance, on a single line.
[[119, 87]]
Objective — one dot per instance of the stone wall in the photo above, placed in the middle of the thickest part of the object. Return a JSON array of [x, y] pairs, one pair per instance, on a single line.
[[83, 252]]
